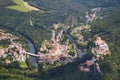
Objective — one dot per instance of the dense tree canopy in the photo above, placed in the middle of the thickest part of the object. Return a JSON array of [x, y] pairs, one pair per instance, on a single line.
[[19, 23]]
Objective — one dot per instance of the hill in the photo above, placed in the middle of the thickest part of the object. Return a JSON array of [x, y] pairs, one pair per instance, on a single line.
[[108, 28], [75, 5], [55, 12]]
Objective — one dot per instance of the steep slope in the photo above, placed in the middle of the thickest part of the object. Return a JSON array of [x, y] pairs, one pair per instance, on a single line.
[[109, 29], [60, 5], [75, 5]]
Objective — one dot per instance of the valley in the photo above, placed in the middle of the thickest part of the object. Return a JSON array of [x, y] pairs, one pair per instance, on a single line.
[[59, 40]]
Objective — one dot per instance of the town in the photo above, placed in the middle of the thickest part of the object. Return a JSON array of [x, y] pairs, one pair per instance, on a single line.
[[55, 51], [13, 51]]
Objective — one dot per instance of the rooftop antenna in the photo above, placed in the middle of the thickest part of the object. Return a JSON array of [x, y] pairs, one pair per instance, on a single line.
[[31, 23]]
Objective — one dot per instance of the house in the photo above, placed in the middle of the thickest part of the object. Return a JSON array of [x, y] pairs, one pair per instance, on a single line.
[[101, 47], [2, 52]]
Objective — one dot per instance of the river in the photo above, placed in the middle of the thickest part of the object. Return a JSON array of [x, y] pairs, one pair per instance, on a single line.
[[32, 50], [78, 50], [31, 45]]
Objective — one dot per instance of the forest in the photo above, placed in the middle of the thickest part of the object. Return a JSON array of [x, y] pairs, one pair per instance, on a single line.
[[109, 29], [19, 23]]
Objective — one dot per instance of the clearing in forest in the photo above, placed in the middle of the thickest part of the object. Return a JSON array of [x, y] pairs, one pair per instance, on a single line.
[[22, 6]]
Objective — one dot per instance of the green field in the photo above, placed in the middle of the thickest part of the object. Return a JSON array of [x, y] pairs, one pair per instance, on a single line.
[[23, 65], [19, 6]]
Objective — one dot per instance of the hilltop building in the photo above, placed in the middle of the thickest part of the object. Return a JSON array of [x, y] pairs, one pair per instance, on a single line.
[[101, 47]]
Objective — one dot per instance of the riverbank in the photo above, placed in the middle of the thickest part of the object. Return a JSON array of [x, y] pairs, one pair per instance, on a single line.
[[78, 50], [32, 50], [30, 43]]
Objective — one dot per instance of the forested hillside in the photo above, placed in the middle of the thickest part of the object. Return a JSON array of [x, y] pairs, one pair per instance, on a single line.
[[59, 11], [20, 22], [55, 11], [109, 29], [75, 5]]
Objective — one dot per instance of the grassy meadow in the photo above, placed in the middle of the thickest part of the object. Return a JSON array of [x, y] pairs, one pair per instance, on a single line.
[[19, 6]]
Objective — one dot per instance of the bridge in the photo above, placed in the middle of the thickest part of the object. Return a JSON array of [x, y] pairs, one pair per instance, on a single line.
[[23, 51], [35, 55]]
